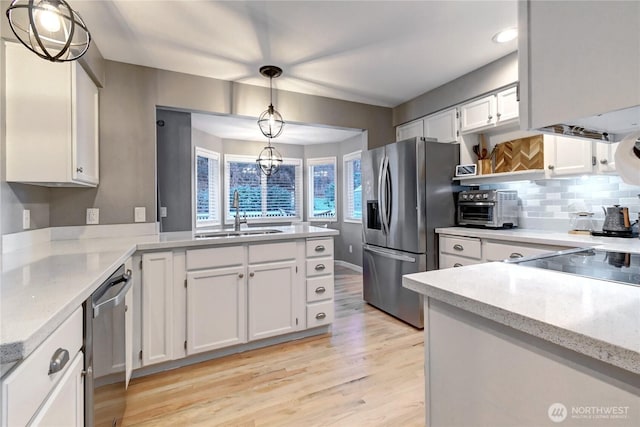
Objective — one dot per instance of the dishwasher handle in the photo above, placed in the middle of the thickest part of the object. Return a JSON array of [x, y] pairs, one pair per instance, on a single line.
[[125, 284]]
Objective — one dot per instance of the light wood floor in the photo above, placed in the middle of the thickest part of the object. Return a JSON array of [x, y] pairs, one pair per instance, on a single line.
[[367, 372]]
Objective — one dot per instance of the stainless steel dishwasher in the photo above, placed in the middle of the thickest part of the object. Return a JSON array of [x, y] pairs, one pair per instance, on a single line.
[[105, 394]]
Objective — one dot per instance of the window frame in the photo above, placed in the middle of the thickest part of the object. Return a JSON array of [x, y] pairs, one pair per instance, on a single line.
[[299, 197], [318, 161], [215, 156], [347, 180]]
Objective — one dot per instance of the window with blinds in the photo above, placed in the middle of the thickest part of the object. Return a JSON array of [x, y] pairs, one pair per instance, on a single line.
[[352, 188], [322, 189], [263, 198], [207, 188]]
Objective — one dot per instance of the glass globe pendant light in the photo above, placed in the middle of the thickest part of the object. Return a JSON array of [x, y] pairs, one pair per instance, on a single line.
[[270, 121], [49, 28], [269, 160]]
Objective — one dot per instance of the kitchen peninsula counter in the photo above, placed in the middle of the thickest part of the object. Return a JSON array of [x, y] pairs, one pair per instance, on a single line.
[[42, 284]]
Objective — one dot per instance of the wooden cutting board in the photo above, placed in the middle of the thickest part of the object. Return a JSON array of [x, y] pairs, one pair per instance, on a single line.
[[520, 154]]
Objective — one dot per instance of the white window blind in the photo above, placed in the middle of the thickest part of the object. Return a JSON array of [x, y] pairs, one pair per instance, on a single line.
[[207, 188], [352, 188], [276, 198], [322, 189]]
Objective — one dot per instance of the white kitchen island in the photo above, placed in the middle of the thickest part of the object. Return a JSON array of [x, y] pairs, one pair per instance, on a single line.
[[510, 345]]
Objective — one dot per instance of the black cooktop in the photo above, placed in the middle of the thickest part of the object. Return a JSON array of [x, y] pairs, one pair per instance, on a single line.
[[595, 263]]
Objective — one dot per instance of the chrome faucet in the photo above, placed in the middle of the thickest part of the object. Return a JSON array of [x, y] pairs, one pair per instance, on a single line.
[[236, 206]]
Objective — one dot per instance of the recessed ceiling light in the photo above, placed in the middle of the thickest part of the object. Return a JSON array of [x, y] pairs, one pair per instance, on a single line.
[[506, 35]]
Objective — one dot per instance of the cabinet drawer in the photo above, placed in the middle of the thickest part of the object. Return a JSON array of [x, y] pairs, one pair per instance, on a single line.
[[215, 257], [462, 246], [319, 288], [319, 247], [498, 251], [272, 252], [28, 386], [319, 314], [319, 267], [448, 261]]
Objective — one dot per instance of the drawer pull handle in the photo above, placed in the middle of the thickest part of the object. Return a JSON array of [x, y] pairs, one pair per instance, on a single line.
[[458, 247], [321, 316], [320, 267], [516, 255], [457, 264], [320, 248], [58, 360], [320, 290]]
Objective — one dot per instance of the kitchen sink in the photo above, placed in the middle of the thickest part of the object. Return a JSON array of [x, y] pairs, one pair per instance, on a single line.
[[233, 233]]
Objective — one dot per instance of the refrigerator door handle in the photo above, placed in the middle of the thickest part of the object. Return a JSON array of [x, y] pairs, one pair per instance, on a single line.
[[386, 254], [388, 195], [381, 202]]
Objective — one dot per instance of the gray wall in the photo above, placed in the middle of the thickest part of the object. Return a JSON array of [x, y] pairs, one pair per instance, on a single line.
[[497, 74], [128, 103], [174, 160]]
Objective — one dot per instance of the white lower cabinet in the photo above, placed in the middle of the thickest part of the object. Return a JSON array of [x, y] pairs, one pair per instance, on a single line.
[[216, 308], [459, 251], [157, 300], [38, 392], [320, 282]]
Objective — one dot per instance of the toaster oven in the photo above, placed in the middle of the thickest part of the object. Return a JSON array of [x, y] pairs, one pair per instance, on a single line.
[[488, 208]]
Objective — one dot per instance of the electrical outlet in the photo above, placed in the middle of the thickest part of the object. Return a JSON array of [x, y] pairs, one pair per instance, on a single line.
[[350, 249], [139, 214], [163, 212], [26, 219], [93, 216]]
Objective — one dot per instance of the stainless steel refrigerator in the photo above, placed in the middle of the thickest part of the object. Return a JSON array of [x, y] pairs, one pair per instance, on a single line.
[[407, 193]]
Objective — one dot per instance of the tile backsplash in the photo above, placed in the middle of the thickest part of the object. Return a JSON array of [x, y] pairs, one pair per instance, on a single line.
[[548, 204]]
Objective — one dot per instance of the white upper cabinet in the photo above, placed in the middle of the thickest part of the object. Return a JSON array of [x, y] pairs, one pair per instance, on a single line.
[[490, 111], [605, 157], [51, 121], [567, 156], [443, 126], [577, 60], [410, 130]]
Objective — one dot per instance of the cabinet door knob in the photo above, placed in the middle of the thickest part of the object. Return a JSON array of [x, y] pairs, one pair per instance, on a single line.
[[320, 267], [252, 274], [321, 316], [457, 264], [320, 248], [551, 167], [458, 247], [490, 117], [58, 360], [80, 169], [516, 255], [604, 161], [497, 115], [320, 290], [241, 275]]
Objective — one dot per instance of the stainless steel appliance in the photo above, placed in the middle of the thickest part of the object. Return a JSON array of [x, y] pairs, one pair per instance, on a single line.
[[407, 193], [488, 208], [623, 267], [104, 313]]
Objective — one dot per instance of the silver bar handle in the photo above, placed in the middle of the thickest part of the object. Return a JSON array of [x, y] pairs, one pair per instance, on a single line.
[[380, 195], [388, 254], [58, 360], [388, 195], [118, 298]]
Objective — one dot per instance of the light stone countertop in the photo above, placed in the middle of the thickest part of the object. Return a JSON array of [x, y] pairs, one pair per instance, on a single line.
[[41, 285], [541, 237], [597, 318]]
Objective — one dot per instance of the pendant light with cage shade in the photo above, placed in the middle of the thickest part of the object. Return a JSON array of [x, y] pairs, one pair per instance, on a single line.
[[269, 160], [270, 121], [49, 28]]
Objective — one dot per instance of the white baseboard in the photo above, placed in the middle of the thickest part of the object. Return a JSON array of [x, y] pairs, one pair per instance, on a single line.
[[348, 265]]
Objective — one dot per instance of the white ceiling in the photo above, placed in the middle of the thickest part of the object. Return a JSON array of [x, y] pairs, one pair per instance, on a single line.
[[376, 52]]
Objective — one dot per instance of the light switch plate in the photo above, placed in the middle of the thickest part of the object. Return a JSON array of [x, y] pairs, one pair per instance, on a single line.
[[26, 219], [163, 212], [93, 216], [139, 214]]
